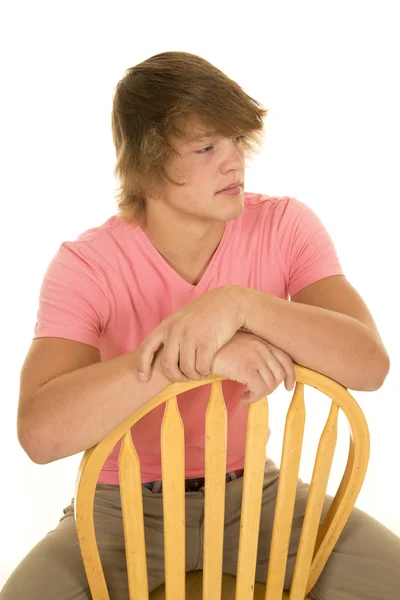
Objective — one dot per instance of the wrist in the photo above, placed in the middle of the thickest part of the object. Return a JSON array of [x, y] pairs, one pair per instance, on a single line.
[[234, 301], [244, 301]]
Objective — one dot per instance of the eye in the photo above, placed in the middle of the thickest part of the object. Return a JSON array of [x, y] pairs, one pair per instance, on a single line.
[[207, 149], [204, 150]]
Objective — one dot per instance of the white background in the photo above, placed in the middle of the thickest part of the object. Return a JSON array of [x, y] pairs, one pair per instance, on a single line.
[[327, 71]]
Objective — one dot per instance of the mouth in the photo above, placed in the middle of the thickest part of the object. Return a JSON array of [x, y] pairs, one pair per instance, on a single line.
[[232, 186]]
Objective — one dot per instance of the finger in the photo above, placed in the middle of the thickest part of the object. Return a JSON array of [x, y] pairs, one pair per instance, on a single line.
[[204, 356], [290, 382], [187, 362], [268, 377], [247, 398], [272, 368], [288, 366], [146, 355], [169, 361], [257, 388]]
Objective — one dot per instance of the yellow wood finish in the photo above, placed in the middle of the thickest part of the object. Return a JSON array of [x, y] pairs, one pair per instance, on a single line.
[[194, 582], [291, 454], [132, 511], [214, 502], [256, 441], [173, 469], [317, 540], [319, 482], [83, 510]]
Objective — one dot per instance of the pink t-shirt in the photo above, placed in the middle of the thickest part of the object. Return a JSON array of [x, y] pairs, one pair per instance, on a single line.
[[110, 288]]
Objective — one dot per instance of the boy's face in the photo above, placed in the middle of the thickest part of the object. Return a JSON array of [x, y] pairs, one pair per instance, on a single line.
[[206, 163]]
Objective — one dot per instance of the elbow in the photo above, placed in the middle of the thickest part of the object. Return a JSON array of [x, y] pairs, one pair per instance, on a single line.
[[378, 371], [33, 442], [383, 370], [372, 374]]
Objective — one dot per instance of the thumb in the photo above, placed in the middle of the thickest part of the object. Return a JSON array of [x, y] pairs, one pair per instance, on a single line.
[[146, 355], [248, 398]]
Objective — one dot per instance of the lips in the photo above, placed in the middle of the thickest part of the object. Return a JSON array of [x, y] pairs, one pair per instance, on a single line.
[[231, 186]]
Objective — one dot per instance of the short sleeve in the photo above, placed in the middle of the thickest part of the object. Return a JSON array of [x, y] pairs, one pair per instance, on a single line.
[[73, 301], [307, 250]]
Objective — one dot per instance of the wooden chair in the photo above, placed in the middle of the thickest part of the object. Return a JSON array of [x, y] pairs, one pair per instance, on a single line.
[[316, 542]]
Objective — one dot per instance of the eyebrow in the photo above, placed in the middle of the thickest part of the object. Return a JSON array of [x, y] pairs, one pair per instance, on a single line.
[[199, 138]]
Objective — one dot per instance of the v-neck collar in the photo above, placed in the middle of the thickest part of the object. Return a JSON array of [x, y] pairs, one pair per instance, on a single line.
[[166, 267]]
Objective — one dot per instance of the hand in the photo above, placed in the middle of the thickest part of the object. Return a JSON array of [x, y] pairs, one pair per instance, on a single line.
[[191, 336], [249, 359]]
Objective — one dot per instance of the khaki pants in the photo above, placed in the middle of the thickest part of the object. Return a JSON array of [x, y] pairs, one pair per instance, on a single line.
[[365, 564]]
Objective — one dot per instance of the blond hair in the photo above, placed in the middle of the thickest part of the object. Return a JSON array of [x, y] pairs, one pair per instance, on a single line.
[[158, 98]]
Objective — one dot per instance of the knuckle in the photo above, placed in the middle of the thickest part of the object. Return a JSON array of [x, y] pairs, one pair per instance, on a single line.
[[181, 377], [186, 366], [170, 375], [203, 372], [189, 373], [203, 367], [260, 391], [257, 389], [249, 367], [169, 371], [269, 384], [177, 375], [287, 361], [197, 376], [268, 390]]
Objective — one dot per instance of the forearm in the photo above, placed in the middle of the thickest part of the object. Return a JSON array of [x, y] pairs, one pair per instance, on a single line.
[[329, 342], [76, 410]]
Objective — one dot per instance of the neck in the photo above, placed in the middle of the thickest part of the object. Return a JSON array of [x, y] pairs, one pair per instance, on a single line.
[[186, 244]]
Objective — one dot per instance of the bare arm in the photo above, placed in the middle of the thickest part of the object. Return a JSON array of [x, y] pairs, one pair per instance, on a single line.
[[327, 327], [69, 400]]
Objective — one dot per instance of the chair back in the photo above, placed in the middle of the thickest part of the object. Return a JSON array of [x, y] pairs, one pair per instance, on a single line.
[[317, 539]]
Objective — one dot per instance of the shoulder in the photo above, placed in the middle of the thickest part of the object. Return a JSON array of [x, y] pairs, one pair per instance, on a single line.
[[100, 243], [271, 211], [106, 232], [254, 202]]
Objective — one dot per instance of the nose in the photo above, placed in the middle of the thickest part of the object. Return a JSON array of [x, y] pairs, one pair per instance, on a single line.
[[233, 155]]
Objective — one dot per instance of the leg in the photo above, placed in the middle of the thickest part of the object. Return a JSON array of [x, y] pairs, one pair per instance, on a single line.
[[54, 567], [364, 565]]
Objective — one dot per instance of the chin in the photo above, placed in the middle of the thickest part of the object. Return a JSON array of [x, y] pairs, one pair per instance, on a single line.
[[232, 210], [228, 214]]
